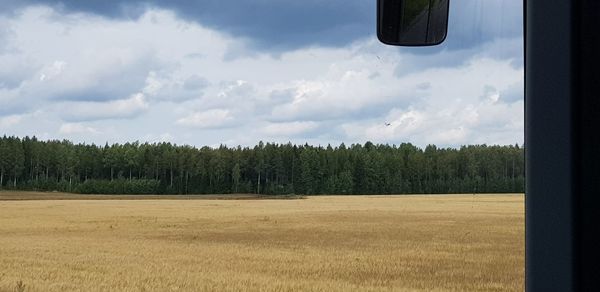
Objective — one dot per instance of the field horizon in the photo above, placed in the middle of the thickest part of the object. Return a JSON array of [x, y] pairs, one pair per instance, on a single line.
[[10, 195], [319, 243]]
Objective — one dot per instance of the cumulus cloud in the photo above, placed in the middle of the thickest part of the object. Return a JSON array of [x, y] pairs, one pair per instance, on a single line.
[[289, 129], [344, 93], [215, 118], [282, 25], [76, 128], [195, 82], [174, 78], [78, 57], [9, 121], [93, 110], [271, 25], [463, 105], [164, 87]]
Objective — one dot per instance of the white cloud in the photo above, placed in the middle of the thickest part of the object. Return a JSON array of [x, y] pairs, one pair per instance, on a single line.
[[289, 129], [9, 121], [175, 89], [76, 128], [50, 72], [215, 118], [462, 105], [176, 77], [115, 109]]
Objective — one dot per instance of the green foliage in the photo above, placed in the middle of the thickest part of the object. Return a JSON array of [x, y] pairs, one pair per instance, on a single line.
[[119, 186], [164, 168]]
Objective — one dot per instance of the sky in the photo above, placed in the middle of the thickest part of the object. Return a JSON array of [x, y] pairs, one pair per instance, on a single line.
[[239, 72]]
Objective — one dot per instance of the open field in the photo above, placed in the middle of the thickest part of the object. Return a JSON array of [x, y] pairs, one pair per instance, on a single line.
[[325, 243]]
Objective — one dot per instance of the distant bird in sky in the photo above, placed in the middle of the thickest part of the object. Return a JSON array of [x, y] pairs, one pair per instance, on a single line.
[[387, 124]]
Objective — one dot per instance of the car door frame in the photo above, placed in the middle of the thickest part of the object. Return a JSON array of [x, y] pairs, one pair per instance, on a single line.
[[562, 124]]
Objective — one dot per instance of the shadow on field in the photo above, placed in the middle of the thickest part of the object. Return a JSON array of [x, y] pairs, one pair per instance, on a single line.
[[41, 196]]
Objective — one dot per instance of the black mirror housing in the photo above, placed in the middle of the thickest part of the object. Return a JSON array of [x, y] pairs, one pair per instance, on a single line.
[[412, 22]]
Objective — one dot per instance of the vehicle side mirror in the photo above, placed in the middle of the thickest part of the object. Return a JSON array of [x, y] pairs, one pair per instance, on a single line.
[[412, 22]]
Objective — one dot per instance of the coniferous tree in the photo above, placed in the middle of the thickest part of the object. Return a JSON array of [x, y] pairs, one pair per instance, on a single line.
[[267, 168]]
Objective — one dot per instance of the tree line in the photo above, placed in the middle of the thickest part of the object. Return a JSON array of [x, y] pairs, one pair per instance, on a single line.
[[165, 168]]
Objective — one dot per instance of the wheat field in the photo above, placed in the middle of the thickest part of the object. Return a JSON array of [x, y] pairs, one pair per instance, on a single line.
[[321, 243]]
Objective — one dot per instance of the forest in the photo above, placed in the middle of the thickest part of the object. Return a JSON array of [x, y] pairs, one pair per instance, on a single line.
[[267, 168]]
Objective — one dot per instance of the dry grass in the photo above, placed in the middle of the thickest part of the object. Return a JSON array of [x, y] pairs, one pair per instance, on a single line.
[[332, 243]]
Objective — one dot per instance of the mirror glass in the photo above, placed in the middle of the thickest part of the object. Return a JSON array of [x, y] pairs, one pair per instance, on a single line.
[[412, 22]]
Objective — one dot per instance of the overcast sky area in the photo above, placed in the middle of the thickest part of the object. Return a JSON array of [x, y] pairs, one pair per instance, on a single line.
[[237, 72]]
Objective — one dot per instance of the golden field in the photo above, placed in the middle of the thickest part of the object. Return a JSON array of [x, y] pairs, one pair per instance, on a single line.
[[323, 243]]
